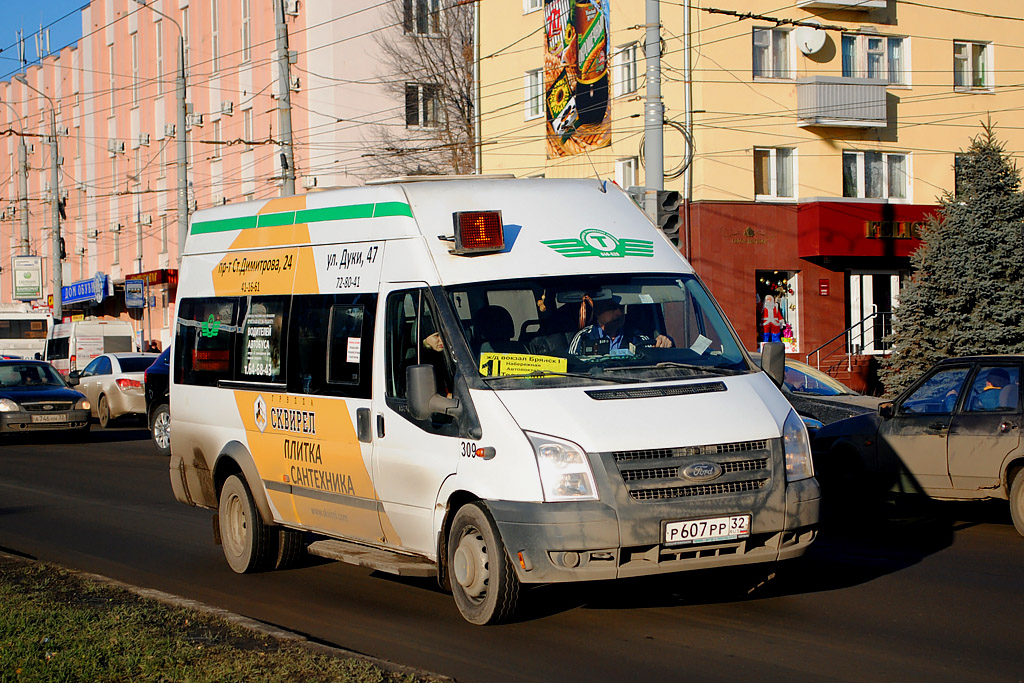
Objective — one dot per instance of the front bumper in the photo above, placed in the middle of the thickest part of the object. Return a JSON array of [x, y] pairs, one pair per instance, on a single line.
[[22, 421]]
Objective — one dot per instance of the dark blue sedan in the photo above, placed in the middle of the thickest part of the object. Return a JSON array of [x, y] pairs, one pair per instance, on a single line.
[[34, 397]]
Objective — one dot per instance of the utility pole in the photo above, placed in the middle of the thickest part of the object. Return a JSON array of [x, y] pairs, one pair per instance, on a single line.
[[55, 194], [284, 101], [654, 112]]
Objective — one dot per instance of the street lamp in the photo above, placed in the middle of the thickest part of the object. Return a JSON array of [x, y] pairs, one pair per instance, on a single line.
[[22, 184], [55, 190], [179, 82]]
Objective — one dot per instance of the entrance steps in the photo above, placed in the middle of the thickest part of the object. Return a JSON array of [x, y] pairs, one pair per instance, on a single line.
[[374, 558]]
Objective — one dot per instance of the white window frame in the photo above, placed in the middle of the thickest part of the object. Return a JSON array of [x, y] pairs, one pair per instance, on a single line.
[[247, 128], [773, 174], [625, 69], [246, 31], [421, 109], [532, 5], [533, 94], [216, 139], [135, 68], [774, 72], [627, 172], [861, 51], [159, 28], [214, 36], [861, 170], [972, 63], [416, 8]]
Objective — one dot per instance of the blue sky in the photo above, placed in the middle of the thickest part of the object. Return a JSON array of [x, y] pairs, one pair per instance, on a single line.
[[27, 16]]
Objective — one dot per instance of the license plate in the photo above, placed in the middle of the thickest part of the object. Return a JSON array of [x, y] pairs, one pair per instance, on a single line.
[[708, 530], [50, 417]]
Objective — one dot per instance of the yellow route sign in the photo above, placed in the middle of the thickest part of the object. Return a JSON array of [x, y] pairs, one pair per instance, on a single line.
[[501, 364]]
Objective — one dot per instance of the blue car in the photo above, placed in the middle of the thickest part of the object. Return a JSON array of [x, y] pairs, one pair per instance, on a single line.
[[34, 397]]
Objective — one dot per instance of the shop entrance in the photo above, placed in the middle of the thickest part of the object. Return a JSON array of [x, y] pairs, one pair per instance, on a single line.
[[872, 297], [778, 308]]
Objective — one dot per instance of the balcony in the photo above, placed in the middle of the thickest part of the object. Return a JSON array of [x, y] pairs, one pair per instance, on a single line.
[[841, 102], [856, 5]]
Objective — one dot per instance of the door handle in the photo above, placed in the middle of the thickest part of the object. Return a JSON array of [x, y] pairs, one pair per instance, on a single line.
[[1005, 426], [380, 426], [937, 425]]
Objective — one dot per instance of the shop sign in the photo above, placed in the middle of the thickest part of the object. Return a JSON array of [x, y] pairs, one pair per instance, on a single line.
[[28, 277], [157, 277], [93, 290], [897, 230]]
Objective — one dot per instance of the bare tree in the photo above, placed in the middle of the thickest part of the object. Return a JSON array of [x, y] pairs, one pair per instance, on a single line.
[[428, 59]]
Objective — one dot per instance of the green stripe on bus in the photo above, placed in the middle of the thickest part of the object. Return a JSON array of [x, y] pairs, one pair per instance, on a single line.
[[330, 213]]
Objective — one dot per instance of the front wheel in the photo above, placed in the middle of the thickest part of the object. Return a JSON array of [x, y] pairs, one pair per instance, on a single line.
[[247, 542], [162, 430], [484, 582], [1017, 502]]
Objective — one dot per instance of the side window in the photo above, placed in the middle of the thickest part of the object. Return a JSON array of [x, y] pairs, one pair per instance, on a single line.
[[261, 337], [412, 338], [92, 368], [57, 348], [204, 340], [331, 345], [103, 366], [994, 389], [938, 394]]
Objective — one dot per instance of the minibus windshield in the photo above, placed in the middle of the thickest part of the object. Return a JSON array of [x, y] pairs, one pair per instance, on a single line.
[[622, 327]]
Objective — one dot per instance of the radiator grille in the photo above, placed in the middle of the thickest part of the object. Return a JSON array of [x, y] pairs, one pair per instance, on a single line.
[[697, 490], [672, 472], [39, 406], [690, 451]]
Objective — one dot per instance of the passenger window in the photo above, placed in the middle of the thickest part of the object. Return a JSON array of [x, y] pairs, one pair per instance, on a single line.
[[262, 340], [938, 394], [204, 341], [994, 389], [102, 366], [413, 338], [331, 345]]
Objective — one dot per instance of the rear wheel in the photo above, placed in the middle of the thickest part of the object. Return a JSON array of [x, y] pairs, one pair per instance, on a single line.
[[103, 411], [1017, 502], [484, 582], [247, 542], [162, 430]]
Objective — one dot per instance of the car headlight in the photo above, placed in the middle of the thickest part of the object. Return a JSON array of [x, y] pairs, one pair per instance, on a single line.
[[8, 406], [565, 472], [797, 448], [83, 404]]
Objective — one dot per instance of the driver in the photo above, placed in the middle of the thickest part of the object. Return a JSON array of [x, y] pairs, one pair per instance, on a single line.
[[609, 323]]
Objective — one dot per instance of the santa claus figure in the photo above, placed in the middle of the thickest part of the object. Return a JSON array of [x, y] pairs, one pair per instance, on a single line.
[[771, 320]]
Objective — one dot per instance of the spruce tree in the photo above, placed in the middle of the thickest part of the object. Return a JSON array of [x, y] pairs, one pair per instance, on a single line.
[[966, 294]]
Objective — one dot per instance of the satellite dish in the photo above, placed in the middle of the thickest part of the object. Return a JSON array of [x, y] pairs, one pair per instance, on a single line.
[[810, 40]]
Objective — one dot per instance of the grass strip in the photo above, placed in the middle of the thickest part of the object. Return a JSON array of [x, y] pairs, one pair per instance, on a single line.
[[56, 625]]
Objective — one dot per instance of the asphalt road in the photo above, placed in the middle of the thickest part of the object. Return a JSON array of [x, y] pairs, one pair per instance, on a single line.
[[919, 591]]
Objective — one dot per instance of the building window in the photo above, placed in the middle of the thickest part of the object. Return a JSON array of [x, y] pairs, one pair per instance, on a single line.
[[532, 5], [422, 105], [533, 86], [625, 172], [972, 66], [159, 26], [246, 32], [163, 234], [774, 172], [113, 80], [216, 139], [247, 128], [624, 64], [876, 174], [186, 28], [422, 17], [772, 53], [866, 56], [135, 68], [214, 37]]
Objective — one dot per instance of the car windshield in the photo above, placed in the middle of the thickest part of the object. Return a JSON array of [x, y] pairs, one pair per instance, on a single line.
[[611, 328], [29, 375], [804, 379]]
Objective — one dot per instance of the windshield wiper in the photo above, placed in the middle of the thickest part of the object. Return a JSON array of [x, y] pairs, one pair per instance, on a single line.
[[579, 375], [673, 364]]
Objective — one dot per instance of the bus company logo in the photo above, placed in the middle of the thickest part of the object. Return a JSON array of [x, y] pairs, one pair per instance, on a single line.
[[209, 328], [702, 471], [594, 242], [259, 412]]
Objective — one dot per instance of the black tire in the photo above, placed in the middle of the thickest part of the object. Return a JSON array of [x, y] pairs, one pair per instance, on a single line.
[[161, 429], [103, 411], [247, 542], [291, 547], [484, 582], [1017, 502]]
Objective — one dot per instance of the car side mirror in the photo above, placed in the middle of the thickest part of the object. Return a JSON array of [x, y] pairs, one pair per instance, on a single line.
[[886, 410], [74, 377], [773, 361], [421, 392]]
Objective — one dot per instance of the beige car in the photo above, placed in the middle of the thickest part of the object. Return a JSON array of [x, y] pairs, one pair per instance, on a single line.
[[114, 383]]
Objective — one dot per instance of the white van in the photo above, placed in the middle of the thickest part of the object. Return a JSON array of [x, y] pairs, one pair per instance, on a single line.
[[73, 345], [495, 382]]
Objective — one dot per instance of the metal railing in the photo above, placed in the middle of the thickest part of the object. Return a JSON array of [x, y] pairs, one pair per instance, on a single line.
[[875, 328]]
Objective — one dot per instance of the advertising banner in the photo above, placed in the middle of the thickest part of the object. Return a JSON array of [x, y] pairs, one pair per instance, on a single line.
[[576, 63], [28, 278]]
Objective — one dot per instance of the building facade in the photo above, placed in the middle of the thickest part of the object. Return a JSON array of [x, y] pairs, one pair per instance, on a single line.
[[114, 97], [810, 143]]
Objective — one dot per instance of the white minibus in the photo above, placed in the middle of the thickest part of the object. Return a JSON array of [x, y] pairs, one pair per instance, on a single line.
[[496, 382], [73, 345]]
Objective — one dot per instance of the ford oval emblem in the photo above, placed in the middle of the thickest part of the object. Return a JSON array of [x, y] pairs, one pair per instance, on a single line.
[[702, 471]]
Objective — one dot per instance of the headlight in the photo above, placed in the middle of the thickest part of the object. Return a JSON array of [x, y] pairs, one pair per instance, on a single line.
[[564, 469], [8, 406], [83, 404], [797, 447]]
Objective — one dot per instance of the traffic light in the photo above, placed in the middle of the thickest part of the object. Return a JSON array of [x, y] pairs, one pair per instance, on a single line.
[[667, 218]]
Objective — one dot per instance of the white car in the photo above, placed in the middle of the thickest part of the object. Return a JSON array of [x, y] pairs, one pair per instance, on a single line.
[[114, 383]]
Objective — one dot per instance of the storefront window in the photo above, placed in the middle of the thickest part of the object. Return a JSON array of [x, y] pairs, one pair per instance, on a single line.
[[777, 310]]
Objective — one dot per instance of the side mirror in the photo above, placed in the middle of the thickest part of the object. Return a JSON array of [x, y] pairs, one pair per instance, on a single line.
[[421, 391], [886, 410], [773, 361], [73, 378]]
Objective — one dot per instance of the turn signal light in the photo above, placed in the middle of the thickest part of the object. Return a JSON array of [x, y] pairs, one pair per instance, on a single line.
[[478, 231]]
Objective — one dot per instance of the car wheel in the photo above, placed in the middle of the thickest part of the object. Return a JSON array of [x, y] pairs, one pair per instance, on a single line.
[[247, 542], [103, 412], [162, 429], [291, 546], [484, 582], [1017, 502]]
